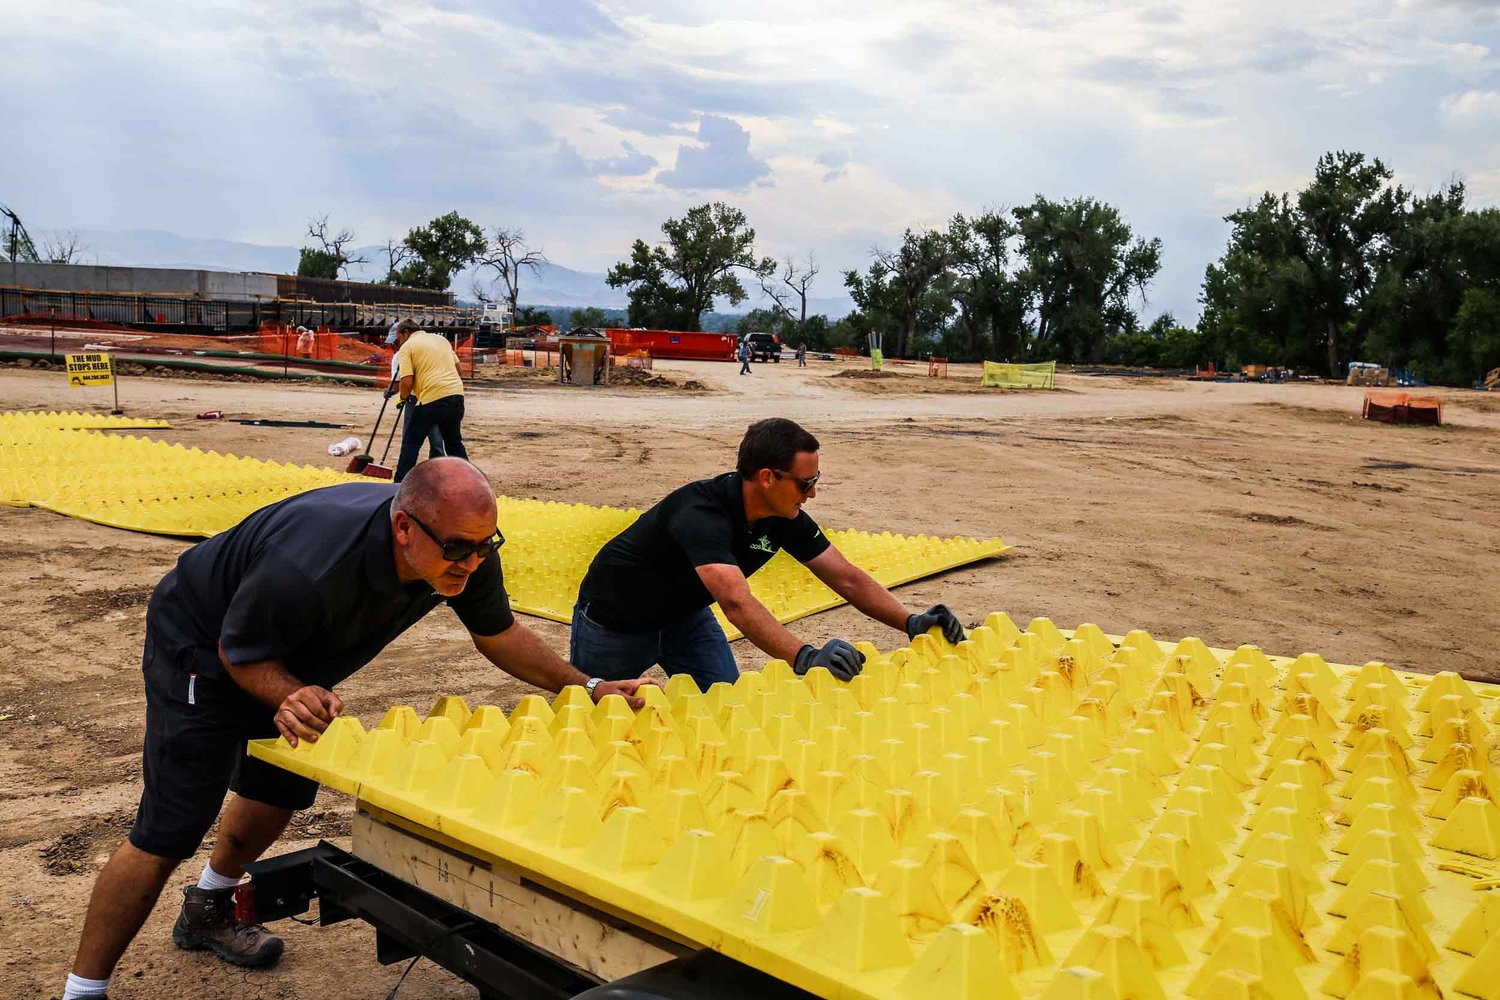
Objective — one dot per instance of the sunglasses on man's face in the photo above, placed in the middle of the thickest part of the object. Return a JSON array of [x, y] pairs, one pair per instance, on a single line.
[[460, 549], [806, 485]]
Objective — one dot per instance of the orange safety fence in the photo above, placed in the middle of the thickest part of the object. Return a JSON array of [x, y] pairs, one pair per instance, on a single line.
[[633, 359], [323, 344], [464, 348], [1402, 408], [937, 367]]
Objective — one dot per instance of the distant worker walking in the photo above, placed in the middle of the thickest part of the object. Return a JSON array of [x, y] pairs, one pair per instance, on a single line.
[[745, 356], [802, 355], [645, 599], [434, 439], [430, 382]]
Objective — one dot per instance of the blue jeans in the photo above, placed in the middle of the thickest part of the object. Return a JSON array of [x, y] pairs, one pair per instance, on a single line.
[[692, 645]]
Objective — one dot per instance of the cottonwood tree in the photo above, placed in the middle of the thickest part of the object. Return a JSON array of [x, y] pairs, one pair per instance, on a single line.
[[789, 287], [63, 248], [444, 246], [330, 257], [508, 255], [898, 281], [672, 285], [1081, 263]]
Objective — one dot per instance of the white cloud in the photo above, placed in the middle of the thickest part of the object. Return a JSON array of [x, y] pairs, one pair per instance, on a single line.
[[1471, 105], [588, 123]]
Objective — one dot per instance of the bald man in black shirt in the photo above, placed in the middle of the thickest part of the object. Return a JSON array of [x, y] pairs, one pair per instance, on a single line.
[[247, 638]]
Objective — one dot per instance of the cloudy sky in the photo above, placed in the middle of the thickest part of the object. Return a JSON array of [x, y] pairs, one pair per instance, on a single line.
[[834, 125]]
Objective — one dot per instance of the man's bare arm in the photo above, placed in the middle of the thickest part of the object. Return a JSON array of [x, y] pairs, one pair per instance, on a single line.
[[302, 710], [859, 588], [729, 587]]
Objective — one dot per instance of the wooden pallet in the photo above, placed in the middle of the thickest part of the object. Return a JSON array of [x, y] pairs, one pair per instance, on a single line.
[[600, 944]]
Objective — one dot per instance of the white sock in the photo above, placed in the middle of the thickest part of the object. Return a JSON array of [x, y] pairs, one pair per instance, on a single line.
[[78, 988], [215, 882]]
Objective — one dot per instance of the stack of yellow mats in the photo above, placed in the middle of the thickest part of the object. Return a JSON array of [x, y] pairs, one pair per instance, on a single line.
[[143, 484], [1035, 814]]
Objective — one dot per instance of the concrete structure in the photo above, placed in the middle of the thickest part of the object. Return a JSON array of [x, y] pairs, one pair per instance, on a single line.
[[228, 286]]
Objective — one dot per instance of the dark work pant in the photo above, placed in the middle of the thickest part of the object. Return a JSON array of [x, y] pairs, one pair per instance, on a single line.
[[447, 415], [434, 439]]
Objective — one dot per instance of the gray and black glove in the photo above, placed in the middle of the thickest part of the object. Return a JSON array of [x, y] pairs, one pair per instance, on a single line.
[[841, 659], [390, 390], [940, 616]]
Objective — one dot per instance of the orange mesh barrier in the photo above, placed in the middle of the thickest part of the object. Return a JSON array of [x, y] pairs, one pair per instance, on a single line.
[[1402, 408]]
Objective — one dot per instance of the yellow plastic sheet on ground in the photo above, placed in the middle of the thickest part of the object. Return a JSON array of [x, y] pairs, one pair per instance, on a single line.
[[148, 485], [17, 420], [1033, 813], [1032, 376]]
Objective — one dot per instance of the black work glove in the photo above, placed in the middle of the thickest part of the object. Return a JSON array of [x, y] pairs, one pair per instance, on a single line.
[[841, 659], [940, 616], [390, 391]]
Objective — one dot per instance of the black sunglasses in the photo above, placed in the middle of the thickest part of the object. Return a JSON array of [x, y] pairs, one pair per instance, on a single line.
[[458, 551], [806, 485]]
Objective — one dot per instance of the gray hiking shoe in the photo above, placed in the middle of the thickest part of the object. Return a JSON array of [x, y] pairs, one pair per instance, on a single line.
[[207, 921]]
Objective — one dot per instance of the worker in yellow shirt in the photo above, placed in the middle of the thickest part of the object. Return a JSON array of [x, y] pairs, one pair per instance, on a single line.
[[430, 382]]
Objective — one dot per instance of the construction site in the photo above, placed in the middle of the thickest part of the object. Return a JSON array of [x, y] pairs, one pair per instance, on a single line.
[[1220, 725]]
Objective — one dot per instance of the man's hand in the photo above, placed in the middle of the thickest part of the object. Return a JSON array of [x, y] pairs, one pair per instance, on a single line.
[[390, 390], [625, 689], [839, 657], [306, 712], [940, 616]]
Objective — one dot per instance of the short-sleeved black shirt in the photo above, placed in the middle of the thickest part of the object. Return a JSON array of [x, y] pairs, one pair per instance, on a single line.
[[645, 577], [310, 581]]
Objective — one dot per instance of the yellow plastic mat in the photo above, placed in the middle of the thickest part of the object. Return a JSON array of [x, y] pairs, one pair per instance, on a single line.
[[1027, 814], [143, 484], [74, 420]]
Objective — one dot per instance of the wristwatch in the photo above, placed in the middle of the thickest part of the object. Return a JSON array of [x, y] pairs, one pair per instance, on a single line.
[[592, 683]]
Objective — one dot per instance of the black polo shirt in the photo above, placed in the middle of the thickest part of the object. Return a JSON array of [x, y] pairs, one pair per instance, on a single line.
[[646, 578], [310, 581]]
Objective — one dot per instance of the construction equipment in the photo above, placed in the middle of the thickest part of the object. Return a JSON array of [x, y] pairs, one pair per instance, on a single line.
[[18, 245]]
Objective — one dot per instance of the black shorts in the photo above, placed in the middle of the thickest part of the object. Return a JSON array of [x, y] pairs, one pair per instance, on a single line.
[[196, 728]]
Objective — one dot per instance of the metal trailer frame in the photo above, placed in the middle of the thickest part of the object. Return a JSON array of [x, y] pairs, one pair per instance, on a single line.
[[410, 922]]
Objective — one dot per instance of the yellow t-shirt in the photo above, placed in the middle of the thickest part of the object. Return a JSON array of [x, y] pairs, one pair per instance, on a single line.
[[430, 360]]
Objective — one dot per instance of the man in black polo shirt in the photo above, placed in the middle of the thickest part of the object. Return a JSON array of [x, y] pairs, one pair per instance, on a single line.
[[646, 597], [247, 638]]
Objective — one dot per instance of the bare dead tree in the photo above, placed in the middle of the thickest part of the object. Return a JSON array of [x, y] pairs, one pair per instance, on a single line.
[[509, 254], [480, 292], [63, 248], [334, 245], [396, 253], [790, 285]]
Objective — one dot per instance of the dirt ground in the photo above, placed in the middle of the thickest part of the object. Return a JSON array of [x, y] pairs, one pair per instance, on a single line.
[[1239, 513]]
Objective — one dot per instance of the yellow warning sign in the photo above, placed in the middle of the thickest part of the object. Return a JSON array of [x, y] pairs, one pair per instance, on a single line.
[[89, 368]]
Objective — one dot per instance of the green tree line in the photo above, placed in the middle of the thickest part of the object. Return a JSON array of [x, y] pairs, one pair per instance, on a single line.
[[1351, 267]]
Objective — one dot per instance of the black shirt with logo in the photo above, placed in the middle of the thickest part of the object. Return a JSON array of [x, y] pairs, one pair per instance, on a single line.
[[310, 581], [645, 577]]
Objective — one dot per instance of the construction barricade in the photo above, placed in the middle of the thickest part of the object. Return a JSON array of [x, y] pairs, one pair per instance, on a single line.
[[937, 367], [1042, 375], [1403, 408]]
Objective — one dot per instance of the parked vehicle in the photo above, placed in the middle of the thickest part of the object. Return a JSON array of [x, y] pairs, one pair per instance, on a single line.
[[764, 346]]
